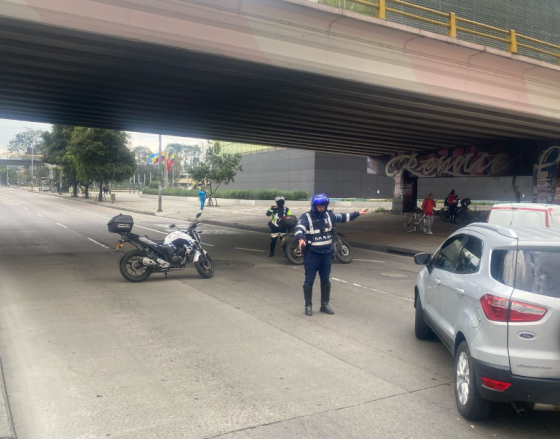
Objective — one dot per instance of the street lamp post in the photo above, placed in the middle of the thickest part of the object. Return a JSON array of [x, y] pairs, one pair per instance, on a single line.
[[32, 153], [159, 176]]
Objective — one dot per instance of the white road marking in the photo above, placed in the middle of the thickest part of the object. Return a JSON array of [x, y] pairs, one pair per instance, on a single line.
[[153, 230], [98, 243], [40, 215], [250, 249], [368, 260], [25, 208], [210, 245], [62, 225], [373, 289]]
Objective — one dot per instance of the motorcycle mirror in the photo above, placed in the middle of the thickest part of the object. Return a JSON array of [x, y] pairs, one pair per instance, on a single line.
[[172, 226]]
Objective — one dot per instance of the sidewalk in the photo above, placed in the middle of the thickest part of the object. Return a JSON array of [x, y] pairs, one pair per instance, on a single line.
[[383, 232]]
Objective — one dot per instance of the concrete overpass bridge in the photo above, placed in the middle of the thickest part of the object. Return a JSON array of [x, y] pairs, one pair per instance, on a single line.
[[289, 73], [25, 162]]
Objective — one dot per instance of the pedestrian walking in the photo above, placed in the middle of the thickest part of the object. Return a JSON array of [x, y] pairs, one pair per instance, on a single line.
[[277, 212], [314, 232], [428, 207], [202, 196]]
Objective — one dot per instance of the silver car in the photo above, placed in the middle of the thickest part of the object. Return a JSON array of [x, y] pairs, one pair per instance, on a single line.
[[492, 295]]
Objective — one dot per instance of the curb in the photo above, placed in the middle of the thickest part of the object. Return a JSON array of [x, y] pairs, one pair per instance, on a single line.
[[381, 248]]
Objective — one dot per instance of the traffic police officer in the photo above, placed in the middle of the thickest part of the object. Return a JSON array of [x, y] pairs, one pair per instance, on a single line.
[[277, 213], [314, 231]]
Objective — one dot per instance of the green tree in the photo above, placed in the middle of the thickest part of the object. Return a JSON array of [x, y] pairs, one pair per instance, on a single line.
[[28, 142], [217, 168], [57, 143], [142, 155], [101, 155]]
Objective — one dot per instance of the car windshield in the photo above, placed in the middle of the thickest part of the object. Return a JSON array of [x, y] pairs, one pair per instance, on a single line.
[[538, 271]]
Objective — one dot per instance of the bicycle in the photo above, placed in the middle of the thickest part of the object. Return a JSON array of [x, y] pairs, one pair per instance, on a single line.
[[412, 223]]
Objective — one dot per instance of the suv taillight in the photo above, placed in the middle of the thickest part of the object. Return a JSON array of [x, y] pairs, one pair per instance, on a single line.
[[499, 309]]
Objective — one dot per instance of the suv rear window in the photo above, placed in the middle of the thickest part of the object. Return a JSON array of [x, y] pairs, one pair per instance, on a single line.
[[538, 272]]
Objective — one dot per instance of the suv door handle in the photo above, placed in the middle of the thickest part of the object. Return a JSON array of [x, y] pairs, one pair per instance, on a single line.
[[437, 282], [460, 291]]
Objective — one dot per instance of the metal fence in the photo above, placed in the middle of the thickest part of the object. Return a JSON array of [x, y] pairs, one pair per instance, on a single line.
[[527, 27]]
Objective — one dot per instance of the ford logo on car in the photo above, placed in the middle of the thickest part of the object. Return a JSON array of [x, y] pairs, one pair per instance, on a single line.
[[526, 335]]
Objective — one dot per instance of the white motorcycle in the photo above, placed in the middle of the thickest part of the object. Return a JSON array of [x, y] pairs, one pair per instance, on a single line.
[[175, 251]]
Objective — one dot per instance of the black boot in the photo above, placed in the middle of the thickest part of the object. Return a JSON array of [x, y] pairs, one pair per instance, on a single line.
[[272, 247], [307, 294], [325, 297]]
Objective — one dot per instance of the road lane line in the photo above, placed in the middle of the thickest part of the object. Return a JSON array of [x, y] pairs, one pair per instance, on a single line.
[[250, 249], [40, 215], [386, 293], [25, 207], [98, 243], [368, 260], [62, 225], [205, 243]]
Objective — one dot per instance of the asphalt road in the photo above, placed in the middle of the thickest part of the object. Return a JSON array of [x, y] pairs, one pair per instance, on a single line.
[[87, 354]]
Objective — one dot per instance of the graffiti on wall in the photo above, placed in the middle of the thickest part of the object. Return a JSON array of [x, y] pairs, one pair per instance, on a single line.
[[546, 177], [449, 162]]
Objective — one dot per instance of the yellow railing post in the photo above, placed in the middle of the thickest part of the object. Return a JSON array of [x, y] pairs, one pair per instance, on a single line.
[[452, 31], [381, 9], [512, 42]]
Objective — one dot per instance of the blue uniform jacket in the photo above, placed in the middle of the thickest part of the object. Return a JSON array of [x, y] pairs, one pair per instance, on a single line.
[[303, 227]]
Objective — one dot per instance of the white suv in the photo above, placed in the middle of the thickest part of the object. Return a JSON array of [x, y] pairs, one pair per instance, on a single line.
[[492, 295]]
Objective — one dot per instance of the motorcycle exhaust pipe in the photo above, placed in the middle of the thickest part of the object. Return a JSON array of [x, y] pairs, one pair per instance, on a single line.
[[147, 262]]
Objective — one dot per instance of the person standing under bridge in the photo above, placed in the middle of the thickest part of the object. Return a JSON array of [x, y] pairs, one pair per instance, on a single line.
[[314, 232], [428, 207], [453, 201]]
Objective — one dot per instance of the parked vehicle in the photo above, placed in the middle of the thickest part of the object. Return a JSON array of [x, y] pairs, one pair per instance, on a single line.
[[462, 210], [492, 295], [343, 250], [525, 214], [175, 251]]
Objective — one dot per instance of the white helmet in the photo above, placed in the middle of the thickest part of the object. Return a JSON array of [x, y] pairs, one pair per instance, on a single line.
[[278, 198]]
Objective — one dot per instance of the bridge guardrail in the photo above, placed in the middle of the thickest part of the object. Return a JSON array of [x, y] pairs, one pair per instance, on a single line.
[[454, 24]]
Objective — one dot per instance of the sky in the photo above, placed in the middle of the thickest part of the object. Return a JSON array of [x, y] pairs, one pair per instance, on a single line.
[[9, 128]]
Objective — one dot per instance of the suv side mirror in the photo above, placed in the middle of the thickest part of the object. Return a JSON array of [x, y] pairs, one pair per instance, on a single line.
[[423, 259]]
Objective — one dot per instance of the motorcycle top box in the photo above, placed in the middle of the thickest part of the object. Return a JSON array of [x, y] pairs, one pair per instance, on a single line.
[[288, 222], [120, 224]]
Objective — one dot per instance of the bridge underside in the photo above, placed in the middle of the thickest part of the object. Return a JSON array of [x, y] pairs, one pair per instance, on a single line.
[[50, 74]]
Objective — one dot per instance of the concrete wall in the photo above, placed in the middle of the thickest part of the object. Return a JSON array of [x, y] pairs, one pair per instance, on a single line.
[[343, 176], [285, 170]]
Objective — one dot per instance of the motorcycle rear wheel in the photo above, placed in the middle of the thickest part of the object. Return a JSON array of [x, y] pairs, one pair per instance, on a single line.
[[131, 267], [204, 266], [292, 251], [445, 216], [343, 251]]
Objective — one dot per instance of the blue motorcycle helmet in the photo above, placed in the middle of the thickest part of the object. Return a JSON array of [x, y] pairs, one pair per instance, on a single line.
[[319, 200]]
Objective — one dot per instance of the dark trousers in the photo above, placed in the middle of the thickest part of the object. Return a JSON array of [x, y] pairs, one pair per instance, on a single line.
[[317, 262]]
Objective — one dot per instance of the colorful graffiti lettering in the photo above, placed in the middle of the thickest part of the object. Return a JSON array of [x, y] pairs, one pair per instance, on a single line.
[[477, 163]]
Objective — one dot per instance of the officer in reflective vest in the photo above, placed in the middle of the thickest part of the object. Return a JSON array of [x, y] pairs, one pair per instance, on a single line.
[[276, 213], [314, 231]]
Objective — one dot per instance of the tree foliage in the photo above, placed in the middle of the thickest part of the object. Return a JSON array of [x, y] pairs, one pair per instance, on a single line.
[[142, 155], [89, 154], [217, 168], [30, 141]]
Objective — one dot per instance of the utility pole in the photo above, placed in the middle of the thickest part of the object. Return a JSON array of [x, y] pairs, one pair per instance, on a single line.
[[32, 154], [159, 176], [7, 167]]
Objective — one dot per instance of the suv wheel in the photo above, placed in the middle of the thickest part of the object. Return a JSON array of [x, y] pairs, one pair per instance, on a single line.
[[469, 402], [421, 328]]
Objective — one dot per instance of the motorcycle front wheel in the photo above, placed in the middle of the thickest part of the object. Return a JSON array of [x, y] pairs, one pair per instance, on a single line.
[[292, 251], [445, 216], [204, 266], [343, 251], [131, 267]]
